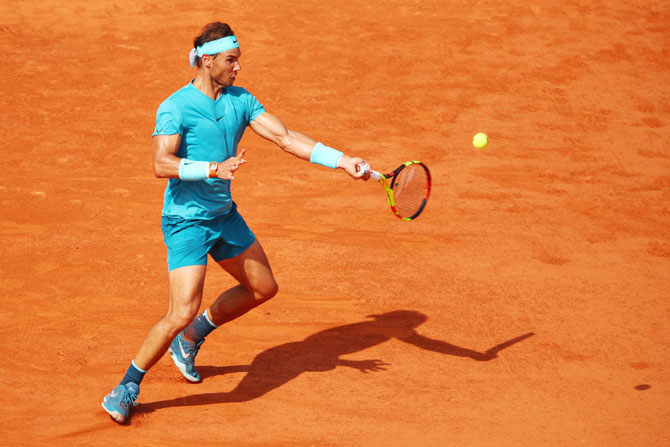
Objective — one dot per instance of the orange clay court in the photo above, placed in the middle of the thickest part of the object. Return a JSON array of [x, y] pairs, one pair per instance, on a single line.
[[527, 306]]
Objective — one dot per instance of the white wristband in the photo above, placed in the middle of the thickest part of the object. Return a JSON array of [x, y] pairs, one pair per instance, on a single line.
[[325, 156], [191, 170]]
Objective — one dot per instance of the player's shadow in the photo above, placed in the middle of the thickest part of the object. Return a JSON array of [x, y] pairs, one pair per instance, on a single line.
[[322, 351]]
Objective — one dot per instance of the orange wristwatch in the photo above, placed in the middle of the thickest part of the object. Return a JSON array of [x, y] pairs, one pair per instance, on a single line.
[[213, 167]]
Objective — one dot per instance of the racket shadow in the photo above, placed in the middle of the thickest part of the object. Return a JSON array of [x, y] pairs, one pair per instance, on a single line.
[[322, 352]]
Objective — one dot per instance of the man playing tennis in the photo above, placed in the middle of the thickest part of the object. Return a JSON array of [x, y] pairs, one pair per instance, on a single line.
[[195, 143]]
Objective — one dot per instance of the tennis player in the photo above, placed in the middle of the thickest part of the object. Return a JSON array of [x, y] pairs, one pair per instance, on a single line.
[[195, 146]]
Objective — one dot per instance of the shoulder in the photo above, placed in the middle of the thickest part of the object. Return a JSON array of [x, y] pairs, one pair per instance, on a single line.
[[238, 92], [245, 99], [179, 97], [176, 102]]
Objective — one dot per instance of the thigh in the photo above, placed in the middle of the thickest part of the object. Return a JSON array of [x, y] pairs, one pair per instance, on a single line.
[[185, 286], [252, 269]]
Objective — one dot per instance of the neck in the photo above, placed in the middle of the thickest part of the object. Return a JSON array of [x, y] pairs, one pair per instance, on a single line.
[[206, 84]]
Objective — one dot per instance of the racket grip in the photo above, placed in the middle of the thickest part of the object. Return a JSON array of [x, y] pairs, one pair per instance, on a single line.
[[375, 175]]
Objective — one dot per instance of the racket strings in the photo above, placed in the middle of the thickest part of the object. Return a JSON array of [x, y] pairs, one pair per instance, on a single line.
[[409, 189]]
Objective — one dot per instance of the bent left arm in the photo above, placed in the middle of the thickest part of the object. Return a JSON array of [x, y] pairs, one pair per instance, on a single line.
[[300, 145]]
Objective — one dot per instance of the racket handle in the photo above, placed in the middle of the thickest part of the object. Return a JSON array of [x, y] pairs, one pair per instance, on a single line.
[[373, 174]]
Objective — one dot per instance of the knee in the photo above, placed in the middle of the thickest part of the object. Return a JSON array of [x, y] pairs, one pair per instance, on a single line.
[[178, 319], [265, 291]]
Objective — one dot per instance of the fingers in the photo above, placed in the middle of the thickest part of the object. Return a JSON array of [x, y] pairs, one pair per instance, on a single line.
[[227, 168], [362, 169], [230, 166], [356, 167], [239, 158]]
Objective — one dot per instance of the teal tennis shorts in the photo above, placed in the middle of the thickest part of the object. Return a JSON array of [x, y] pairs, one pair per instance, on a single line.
[[189, 241]]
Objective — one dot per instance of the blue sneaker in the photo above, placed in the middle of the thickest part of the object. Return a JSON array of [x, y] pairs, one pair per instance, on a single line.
[[183, 354], [117, 403]]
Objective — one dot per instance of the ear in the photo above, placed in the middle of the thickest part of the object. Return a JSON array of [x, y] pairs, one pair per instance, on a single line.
[[206, 60]]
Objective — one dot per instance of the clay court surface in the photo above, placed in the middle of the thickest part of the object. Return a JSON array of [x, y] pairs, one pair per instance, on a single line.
[[528, 305]]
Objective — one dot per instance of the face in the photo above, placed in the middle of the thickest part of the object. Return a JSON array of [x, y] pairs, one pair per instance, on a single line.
[[224, 67]]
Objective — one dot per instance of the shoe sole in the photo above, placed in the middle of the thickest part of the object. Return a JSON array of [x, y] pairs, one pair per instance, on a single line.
[[115, 415], [182, 368]]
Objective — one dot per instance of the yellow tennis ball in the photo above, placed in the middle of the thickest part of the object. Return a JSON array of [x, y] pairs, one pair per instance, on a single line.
[[480, 140]]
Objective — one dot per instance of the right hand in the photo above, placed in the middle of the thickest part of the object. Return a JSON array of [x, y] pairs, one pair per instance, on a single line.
[[227, 168], [356, 167]]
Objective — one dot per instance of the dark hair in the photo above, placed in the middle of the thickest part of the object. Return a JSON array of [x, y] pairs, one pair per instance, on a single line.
[[211, 31]]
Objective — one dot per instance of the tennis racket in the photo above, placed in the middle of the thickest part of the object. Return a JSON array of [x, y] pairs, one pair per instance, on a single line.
[[407, 188]]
